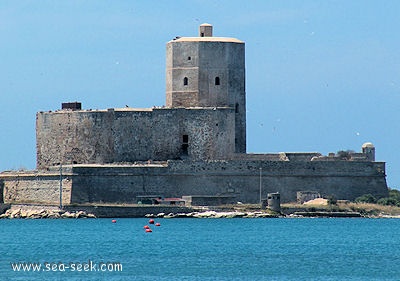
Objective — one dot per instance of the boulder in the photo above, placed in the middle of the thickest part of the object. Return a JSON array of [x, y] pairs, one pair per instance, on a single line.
[[80, 214], [23, 214], [169, 216], [68, 215], [31, 214]]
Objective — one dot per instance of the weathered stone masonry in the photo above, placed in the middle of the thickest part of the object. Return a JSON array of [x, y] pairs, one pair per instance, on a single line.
[[241, 179], [128, 135], [195, 145]]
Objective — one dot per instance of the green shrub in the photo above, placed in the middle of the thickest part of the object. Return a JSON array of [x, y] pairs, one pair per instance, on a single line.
[[332, 200], [366, 198], [395, 194], [388, 201]]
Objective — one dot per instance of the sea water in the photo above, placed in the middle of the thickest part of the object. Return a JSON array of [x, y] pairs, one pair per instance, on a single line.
[[201, 249]]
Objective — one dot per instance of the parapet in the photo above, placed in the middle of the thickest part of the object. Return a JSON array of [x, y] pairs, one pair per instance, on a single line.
[[71, 105], [367, 154]]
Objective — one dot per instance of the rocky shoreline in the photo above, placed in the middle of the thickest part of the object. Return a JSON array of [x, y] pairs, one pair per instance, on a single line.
[[216, 215], [60, 214], [44, 214], [73, 212]]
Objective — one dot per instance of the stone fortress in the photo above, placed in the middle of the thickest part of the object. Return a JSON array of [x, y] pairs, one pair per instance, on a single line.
[[194, 146]]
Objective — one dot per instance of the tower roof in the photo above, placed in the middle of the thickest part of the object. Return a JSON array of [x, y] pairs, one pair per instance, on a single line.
[[207, 39], [206, 35], [368, 144]]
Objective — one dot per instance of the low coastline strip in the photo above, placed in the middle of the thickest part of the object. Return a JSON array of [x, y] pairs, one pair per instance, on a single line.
[[28, 211]]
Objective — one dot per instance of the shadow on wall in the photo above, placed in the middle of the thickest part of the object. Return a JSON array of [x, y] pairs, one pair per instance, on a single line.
[[1, 191]]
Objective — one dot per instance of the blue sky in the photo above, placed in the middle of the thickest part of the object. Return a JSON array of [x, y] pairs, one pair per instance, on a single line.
[[320, 75]]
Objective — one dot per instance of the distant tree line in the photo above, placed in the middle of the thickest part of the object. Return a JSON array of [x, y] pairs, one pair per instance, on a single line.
[[392, 200]]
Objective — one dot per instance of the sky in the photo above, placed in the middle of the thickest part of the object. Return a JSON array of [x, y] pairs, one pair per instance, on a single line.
[[321, 76]]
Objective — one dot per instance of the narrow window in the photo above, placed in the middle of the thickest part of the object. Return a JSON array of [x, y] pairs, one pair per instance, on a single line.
[[217, 80], [185, 144], [202, 34], [189, 58], [237, 108], [185, 81]]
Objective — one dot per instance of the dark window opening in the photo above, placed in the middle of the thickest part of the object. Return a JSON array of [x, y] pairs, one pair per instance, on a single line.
[[185, 81], [237, 108], [189, 58], [185, 145], [202, 34], [217, 82]]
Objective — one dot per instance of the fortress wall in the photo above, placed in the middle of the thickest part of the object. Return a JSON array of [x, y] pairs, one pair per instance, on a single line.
[[38, 189], [89, 137], [131, 135], [281, 168], [71, 137], [225, 60], [211, 133], [344, 180], [201, 63], [114, 183], [121, 184], [179, 66], [258, 157]]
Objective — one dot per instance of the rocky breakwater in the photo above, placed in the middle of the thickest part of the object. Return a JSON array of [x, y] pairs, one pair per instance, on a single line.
[[215, 215], [43, 214]]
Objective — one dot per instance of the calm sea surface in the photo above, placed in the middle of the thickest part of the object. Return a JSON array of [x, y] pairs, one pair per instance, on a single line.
[[202, 249]]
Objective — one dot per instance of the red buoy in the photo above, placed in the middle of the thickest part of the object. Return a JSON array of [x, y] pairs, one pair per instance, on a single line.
[[151, 221], [158, 224], [148, 230], [114, 221], [146, 227]]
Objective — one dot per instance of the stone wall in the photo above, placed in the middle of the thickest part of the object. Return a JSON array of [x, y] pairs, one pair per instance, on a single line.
[[37, 188], [201, 61], [1, 191], [193, 66], [241, 179], [129, 135]]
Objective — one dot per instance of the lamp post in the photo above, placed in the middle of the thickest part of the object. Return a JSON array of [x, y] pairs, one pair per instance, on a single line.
[[260, 186], [60, 186]]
